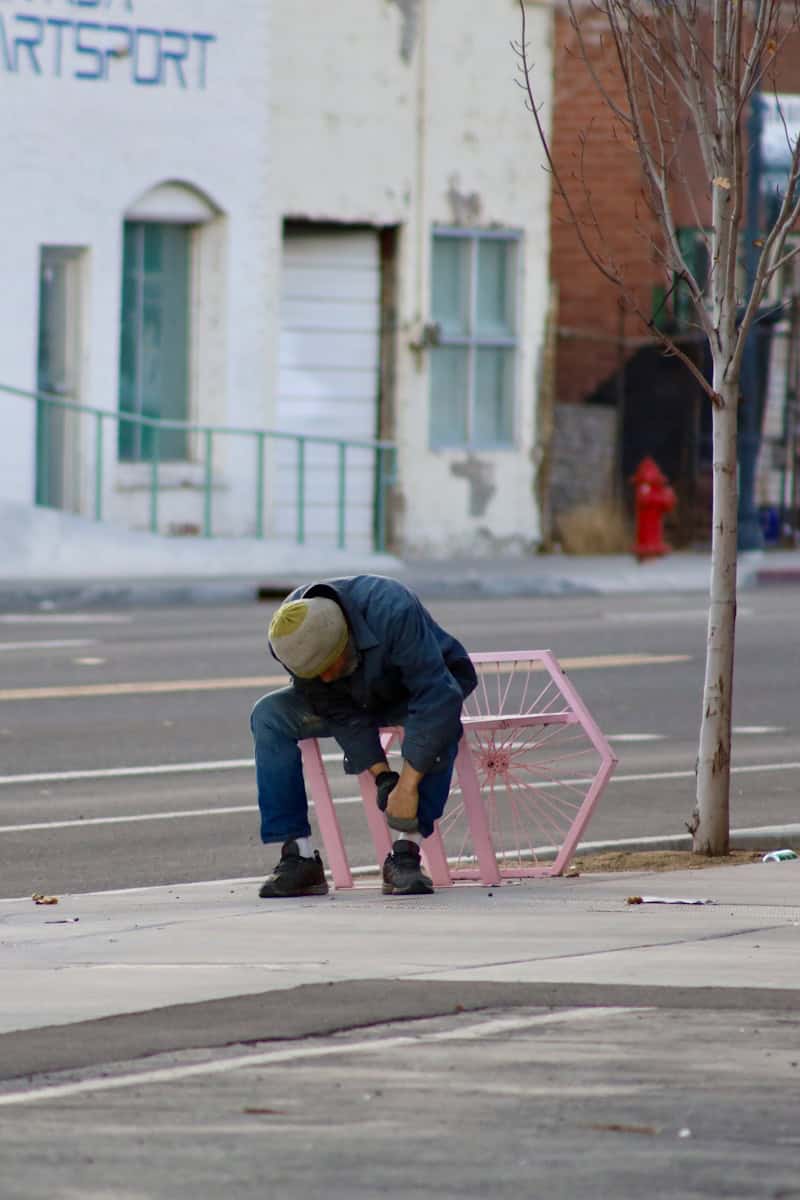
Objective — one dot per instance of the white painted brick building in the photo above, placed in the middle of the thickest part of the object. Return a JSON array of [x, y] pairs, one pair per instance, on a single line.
[[326, 219], [402, 143], [134, 135]]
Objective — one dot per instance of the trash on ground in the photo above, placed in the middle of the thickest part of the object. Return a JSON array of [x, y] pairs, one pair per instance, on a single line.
[[40, 898], [667, 900], [779, 856], [617, 1127]]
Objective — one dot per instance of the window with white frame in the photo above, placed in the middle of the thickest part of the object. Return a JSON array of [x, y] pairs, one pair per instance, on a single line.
[[473, 363]]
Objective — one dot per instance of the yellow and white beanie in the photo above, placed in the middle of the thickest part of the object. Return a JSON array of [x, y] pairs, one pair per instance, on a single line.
[[308, 635]]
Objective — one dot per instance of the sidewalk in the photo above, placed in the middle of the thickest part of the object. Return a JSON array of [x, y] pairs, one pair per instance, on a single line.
[[97, 955], [53, 559]]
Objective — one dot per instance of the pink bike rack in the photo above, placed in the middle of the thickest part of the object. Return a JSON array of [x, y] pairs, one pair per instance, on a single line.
[[530, 769]]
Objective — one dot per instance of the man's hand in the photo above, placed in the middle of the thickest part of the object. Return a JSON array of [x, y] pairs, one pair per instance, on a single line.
[[398, 795], [401, 809], [403, 802]]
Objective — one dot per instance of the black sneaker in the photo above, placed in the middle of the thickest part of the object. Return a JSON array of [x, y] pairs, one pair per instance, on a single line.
[[295, 875], [402, 872]]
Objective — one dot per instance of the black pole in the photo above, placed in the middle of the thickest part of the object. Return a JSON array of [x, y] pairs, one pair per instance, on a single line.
[[750, 535]]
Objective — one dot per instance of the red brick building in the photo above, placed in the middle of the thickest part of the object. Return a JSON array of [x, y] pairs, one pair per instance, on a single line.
[[598, 329], [600, 169]]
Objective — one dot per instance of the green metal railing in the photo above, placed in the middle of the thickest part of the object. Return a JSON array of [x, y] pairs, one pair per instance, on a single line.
[[384, 463]]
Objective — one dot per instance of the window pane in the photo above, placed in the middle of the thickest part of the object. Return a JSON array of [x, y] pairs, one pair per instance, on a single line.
[[153, 378], [129, 441], [450, 299], [153, 235], [495, 317], [494, 398], [448, 404], [173, 332]]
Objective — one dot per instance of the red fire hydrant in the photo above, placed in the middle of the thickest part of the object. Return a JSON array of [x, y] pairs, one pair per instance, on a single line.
[[653, 498]]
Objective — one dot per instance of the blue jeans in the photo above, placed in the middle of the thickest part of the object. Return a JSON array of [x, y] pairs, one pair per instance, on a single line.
[[282, 719]]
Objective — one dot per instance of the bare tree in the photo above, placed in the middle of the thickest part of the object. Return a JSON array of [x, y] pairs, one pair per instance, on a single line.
[[689, 70]]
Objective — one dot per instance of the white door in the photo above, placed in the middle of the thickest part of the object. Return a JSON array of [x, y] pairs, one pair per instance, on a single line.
[[58, 375], [328, 385]]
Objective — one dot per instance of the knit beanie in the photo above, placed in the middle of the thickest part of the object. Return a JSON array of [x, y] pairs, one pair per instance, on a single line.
[[308, 635]]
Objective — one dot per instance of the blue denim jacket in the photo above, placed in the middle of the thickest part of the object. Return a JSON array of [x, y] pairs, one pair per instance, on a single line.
[[410, 671]]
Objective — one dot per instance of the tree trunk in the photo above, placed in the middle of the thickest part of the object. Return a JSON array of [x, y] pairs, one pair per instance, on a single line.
[[710, 821]]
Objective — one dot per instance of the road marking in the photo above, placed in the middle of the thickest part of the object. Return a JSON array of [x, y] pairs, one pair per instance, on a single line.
[[219, 1066], [635, 737], [131, 818], [153, 687], [166, 686], [227, 764], [63, 619], [49, 645], [587, 662], [39, 826], [513, 1024], [747, 730], [745, 770]]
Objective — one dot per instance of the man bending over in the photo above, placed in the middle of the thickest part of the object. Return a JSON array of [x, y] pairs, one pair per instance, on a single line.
[[363, 653]]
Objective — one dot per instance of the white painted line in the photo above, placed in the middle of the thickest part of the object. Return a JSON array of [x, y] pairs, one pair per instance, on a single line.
[[635, 737], [242, 1062], [226, 764], [750, 769], [249, 808], [755, 730], [50, 645], [238, 764], [511, 1024], [130, 818], [63, 619]]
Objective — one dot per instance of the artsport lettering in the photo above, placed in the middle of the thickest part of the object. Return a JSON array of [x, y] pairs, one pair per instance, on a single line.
[[96, 51]]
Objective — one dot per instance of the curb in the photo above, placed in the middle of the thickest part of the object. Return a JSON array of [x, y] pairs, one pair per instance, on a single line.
[[768, 837], [33, 597]]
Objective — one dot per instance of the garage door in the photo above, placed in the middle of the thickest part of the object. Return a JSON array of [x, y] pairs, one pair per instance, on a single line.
[[328, 382]]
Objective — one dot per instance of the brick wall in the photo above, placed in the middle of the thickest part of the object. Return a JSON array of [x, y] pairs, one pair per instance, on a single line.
[[600, 169], [594, 156]]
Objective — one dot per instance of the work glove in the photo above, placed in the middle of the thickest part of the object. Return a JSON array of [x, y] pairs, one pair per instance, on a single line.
[[385, 783]]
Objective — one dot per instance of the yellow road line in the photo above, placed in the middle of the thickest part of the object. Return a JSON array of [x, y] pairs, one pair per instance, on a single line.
[[145, 688], [622, 660], [588, 662], [255, 682]]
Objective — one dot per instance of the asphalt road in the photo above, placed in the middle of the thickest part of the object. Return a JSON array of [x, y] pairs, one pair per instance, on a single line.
[[125, 749], [125, 760], [619, 1101]]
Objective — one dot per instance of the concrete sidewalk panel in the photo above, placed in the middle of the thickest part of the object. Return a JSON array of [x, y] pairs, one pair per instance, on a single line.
[[134, 951]]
